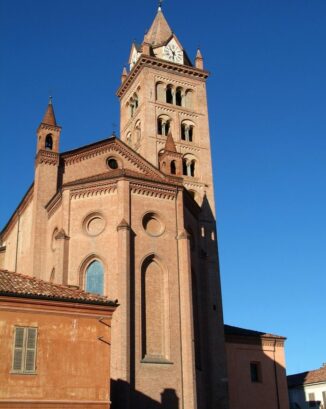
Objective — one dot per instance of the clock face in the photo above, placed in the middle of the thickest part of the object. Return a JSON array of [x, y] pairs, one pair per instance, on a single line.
[[173, 53]]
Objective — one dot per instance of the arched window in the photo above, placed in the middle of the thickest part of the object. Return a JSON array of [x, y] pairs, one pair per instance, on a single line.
[[192, 167], [94, 278], [189, 166], [184, 167], [48, 142], [190, 133], [137, 131], [178, 97], [163, 125], [136, 103], [173, 168], [169, 94], [187, 131]]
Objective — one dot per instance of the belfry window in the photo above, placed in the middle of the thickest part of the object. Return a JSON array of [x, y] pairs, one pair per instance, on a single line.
[[169, 94], [178, 97], [189, 167], [163, 126], [187, 132], [48, 142], [94, 279], [173, 168]]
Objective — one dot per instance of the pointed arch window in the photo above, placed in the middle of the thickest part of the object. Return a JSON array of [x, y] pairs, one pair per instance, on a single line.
[[48, 142], [94, 278]]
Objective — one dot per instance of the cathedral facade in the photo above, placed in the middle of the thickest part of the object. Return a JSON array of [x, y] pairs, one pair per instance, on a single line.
[[133, 218]]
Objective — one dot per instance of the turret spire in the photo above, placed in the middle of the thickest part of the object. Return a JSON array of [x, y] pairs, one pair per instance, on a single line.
[[199, 62], [49, 117]]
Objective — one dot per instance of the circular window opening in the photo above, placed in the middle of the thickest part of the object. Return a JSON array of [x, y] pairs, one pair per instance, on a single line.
[[112, 163], [152, 224], [94, 224]]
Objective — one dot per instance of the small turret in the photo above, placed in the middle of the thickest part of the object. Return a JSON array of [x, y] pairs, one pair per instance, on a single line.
[[48, 132], [199, 62], [170, 160], [124, 74]]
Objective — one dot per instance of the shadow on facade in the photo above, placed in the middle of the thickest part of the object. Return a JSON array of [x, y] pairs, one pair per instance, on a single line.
[[121, 390]]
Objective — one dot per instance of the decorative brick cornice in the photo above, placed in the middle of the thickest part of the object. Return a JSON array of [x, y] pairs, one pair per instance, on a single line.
[[153, 62], [53, 128], [153, 191], [93, 190], [180, 83], [47, 157]]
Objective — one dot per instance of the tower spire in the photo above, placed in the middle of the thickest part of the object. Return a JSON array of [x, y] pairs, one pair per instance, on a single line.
[[49, 117]]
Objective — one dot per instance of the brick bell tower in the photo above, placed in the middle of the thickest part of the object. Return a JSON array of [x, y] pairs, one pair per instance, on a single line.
[[164, 94], [45, 185]]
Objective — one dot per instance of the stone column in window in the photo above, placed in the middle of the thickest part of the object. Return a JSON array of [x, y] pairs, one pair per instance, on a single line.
[[188, 168], [173, 96], [163, 128], [187, 133]]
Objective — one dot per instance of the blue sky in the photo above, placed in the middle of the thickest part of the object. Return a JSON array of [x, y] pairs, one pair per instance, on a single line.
[[267, 101]]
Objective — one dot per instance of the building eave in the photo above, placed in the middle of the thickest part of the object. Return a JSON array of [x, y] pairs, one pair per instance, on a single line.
[[163, 65]]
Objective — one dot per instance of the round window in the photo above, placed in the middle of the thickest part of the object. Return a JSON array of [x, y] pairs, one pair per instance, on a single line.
[[94, 224], [112, 163], [152, 224]]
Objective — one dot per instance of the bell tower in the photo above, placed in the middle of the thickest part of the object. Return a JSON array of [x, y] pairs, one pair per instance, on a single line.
[[163, 94], [45, 185]]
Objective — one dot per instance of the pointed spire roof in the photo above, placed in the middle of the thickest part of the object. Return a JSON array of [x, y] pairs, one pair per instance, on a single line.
[[169, 144], [160, 30], [49, 117], [199, 54]]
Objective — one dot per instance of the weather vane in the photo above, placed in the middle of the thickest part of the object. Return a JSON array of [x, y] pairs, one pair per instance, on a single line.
[[160, 4]]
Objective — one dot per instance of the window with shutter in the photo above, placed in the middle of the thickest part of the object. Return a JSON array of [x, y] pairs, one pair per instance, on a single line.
[[24, 350]]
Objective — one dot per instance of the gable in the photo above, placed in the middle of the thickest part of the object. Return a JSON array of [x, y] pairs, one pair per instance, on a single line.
[[94, 161]]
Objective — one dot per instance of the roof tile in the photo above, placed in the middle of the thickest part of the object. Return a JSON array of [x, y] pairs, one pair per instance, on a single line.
[[20, 285]]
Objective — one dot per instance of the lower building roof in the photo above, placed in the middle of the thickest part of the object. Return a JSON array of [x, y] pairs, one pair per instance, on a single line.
[[20, 285]]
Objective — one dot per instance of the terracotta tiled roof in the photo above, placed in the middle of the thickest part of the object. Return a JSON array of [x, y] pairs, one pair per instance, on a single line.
[[304, 378], [19, 285], [230, 330]]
